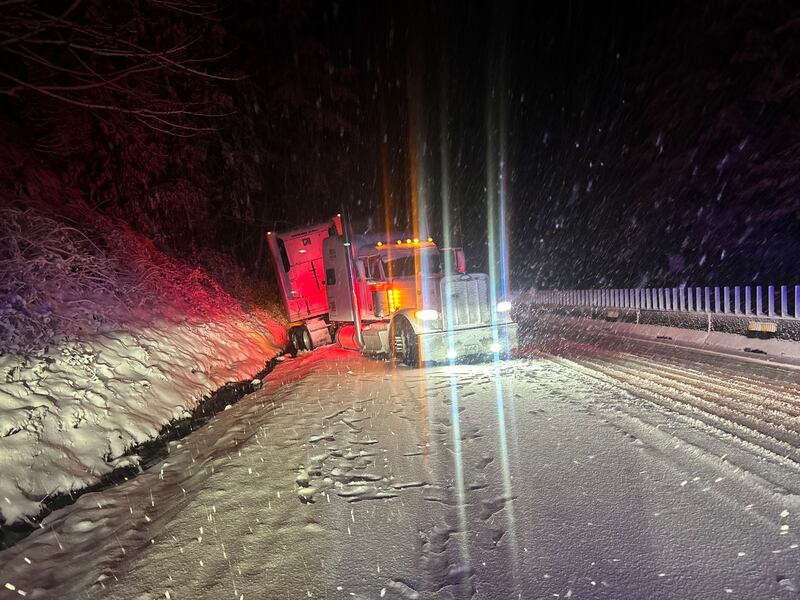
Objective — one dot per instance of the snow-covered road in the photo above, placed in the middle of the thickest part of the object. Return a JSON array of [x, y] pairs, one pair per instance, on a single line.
[[351, 478]]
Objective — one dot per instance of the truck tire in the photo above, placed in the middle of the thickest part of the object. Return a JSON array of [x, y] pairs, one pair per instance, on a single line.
[[294, 341], [300, 339], [405, 346], [304, 336]]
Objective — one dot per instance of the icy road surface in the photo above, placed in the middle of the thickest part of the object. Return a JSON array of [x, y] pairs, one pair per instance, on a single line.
[[351, 478]]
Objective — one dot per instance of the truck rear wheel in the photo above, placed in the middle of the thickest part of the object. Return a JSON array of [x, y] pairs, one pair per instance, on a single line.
[[405, 346], [294, 341], [300, 339], [305, 338]]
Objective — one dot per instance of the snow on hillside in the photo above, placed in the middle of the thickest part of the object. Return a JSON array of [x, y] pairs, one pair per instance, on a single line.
[[68, 415], [104, 340]]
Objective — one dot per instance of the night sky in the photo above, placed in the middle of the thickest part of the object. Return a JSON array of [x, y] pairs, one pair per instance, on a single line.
[[651, 143]]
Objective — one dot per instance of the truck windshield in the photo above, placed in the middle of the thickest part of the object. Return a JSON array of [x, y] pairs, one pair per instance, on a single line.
[[405, 266]]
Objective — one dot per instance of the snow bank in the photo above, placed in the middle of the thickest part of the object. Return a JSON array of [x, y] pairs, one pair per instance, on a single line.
[[69, 414], [104, 339]]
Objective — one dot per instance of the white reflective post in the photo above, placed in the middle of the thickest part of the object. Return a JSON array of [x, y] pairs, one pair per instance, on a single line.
[[717, 300], [797, 302], [726, 308], [737, 300], [759, 301], [784, 301], [748, 300], [707, 299], [771, 300]]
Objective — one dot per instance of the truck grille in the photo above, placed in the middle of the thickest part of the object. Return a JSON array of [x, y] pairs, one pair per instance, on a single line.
[[465, 300]]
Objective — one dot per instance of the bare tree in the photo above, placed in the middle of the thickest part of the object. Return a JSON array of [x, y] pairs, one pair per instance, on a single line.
[[112, 58]]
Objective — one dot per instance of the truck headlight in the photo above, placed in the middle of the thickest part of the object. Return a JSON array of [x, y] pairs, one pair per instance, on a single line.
[[427, 314], [503, 306]]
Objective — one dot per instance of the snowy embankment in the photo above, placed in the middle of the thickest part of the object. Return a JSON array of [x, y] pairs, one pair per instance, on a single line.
[[105, 340]]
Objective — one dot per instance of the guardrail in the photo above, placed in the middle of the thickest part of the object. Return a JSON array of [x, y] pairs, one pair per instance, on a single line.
[[759, 301]]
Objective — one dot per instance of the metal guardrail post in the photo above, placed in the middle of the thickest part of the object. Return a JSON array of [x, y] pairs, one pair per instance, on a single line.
[[681, 299], [689, 301], [748, 300], [797, 302], [717, 300], [726, 307], [698, 299], [784, 301], [737, 300], [771, 300], [759, 301], [707, 296]]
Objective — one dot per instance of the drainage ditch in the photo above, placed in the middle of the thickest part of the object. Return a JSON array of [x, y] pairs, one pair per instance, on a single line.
[[150, 453]]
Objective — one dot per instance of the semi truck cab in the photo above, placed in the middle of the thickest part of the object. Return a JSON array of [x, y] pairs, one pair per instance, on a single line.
[[405, 298], [416, 302]]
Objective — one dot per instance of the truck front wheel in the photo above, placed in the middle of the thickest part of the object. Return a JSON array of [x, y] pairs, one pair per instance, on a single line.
[[405, 345]]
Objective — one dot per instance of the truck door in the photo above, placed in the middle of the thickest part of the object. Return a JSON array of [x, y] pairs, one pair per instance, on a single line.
[[303, 254], [337, 280]]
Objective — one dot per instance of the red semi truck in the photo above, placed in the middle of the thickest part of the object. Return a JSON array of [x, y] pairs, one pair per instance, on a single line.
[[406, 298]]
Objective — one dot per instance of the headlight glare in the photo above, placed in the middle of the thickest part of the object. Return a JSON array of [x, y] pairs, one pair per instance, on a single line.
[[503, 306], [427, 314]]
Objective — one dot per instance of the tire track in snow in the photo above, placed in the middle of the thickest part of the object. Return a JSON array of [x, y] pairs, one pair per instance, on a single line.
[[712, 410]]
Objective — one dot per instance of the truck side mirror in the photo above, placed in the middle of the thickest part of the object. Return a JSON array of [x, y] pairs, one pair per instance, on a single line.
[[461, 261]]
